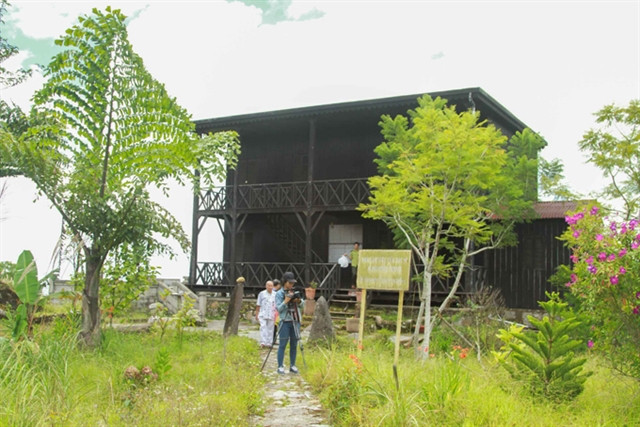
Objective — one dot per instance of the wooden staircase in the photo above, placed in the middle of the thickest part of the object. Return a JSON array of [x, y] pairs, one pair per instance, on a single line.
[[344, 305]]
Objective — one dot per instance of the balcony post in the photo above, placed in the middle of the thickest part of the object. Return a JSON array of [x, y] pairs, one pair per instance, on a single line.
[[194, 231], [309, 213], [233, 229]]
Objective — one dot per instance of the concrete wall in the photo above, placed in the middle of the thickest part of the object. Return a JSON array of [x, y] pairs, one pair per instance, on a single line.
[[175, 289]]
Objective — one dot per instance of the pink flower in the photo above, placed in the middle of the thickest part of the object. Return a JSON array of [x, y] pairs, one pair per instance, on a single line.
[[622, 252], [623, 229], [568, 284], [635, 245], [636, 309], [594, 210], [613, 280], [611, 257], [602, 256], [632, 224], [590, 344], [576, 234], [592, 269], [613, 227], [637, 295], [589, 260], [574, 278], [574, 258], [623, 270], [599, 237]]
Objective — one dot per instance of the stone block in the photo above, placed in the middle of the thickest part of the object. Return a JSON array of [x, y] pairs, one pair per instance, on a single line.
[[352, 324], [309, 307]]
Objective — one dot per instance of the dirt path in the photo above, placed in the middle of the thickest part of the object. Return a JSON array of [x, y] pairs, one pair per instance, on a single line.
[[291, 402]]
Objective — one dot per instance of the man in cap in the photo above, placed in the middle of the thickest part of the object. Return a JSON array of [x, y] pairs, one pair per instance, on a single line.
[[288, 306]]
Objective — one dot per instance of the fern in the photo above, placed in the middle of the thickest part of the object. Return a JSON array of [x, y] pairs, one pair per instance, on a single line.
[[104, 131]]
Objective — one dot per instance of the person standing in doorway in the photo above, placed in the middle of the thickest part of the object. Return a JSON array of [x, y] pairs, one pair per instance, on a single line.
[[288, 304], [265, 314], [353, 257]]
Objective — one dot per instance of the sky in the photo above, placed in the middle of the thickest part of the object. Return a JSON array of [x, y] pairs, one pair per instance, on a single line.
[[553, 64]]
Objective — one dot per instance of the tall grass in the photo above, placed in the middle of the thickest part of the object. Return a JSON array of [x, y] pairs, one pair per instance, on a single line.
[[448, 390], [51, 382]]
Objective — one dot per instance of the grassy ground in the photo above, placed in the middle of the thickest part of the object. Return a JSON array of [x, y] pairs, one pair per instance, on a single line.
[[201, 381], [452, 391]]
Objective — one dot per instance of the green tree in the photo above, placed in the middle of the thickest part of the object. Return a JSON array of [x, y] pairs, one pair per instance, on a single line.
[[545, 360], [615, 149], [7, 50], [448, 188], [111, 132], [127, 273], [551, 178], [11, 117]]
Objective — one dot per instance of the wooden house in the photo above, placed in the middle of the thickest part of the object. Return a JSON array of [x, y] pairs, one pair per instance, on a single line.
[[290, 205]]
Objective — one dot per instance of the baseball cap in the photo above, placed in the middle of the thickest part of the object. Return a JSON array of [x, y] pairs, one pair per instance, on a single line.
[[288, 277]]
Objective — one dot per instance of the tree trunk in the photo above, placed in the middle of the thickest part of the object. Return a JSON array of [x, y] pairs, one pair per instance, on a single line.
[[90, 334], [426, 340], [416, 331]]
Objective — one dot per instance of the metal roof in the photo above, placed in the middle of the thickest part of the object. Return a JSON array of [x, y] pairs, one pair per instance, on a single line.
[[556, 209], [456, 96]]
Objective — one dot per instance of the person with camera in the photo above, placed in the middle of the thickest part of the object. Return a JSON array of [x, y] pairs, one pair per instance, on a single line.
[[289, 303]]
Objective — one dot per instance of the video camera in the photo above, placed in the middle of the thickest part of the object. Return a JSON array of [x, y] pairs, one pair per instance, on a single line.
[[296, 292]]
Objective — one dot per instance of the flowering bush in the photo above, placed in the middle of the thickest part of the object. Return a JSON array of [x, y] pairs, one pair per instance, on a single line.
[[605, 279]]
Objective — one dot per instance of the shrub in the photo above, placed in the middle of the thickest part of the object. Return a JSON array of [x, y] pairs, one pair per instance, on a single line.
[[605, 280], [545, 361]]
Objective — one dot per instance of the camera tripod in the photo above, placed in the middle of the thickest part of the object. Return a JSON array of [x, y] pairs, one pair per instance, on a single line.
[[296, 330]]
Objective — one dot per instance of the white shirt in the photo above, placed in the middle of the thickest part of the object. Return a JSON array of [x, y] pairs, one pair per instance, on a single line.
[[267, 303]]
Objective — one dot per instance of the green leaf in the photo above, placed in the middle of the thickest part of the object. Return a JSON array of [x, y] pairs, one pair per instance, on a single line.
[[25, 279], [19, 320]]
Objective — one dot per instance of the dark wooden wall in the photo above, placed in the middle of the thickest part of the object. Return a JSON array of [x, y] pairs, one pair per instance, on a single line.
[[522, 272], [258, 242]]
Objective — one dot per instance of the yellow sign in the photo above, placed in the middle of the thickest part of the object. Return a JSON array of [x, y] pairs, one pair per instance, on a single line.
[[384, 269]]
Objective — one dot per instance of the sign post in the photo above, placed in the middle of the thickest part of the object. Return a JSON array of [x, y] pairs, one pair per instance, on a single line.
[[387, 270]]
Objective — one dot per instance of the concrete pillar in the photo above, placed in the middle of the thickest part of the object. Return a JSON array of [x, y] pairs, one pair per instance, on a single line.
[[202, 304]]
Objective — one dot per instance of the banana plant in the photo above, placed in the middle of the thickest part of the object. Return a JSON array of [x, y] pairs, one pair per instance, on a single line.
[[29, 290]]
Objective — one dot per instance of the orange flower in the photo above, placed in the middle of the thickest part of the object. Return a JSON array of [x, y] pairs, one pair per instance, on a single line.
[[356, 361]]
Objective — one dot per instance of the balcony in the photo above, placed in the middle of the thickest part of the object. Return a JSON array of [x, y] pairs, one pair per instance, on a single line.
[[328, 195], [220, 277]]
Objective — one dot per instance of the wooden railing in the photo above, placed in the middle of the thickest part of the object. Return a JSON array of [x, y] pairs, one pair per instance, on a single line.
[[217, 276], [337, 194]]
